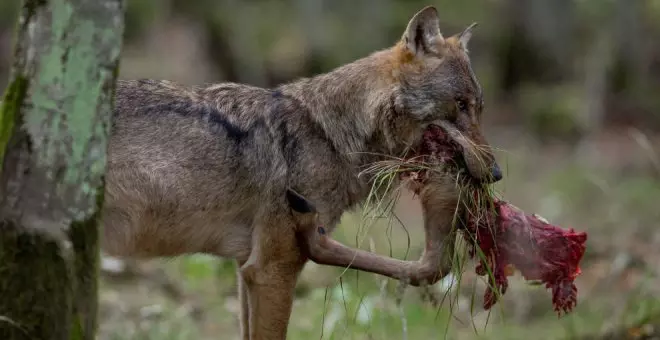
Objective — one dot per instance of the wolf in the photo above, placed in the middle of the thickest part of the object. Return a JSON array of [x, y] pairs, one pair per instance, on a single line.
[[263, 175]]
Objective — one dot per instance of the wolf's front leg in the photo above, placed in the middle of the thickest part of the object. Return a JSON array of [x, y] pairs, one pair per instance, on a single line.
[[439, 198], [270, 276]]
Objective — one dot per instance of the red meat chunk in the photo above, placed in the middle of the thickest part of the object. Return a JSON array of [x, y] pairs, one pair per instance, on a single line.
[[509, 239]]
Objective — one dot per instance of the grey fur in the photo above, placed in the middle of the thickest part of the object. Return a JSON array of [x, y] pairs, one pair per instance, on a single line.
[[183, 160]]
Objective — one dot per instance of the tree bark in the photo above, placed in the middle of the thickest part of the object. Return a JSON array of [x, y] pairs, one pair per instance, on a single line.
[[54, 124]]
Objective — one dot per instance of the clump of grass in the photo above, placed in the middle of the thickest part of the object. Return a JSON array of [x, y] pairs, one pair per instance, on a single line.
[[476, 204]]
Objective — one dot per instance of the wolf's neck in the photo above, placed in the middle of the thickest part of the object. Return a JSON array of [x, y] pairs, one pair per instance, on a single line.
[[346, 103]]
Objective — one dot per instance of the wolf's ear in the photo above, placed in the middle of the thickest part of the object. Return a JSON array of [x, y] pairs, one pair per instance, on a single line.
[[299, 203], [423, 32], [464, 37]]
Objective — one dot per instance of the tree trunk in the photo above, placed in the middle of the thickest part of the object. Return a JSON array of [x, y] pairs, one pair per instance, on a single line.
[[54, 123]]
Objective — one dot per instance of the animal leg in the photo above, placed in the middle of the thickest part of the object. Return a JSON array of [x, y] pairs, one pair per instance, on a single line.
[[270, 276], [244, 316], [439, 202]]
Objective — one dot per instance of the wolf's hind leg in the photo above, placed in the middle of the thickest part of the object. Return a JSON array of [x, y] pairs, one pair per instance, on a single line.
[[244, 316], [270, 276]]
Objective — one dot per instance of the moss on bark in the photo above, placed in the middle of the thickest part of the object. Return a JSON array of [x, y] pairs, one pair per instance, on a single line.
[[35, 277], [9, 110], [84, 236]]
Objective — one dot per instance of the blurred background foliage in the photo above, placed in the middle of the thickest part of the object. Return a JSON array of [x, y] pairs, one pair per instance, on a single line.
[[572, 100]]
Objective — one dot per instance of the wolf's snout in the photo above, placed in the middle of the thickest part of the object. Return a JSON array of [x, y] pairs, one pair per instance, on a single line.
[[495, 173], [483, 173], [482, 166]]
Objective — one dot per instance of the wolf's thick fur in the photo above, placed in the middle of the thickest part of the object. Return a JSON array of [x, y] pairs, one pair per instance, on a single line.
[[209, 169]]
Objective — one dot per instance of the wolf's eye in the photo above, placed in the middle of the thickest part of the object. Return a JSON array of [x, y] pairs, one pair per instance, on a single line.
[[462, 105]]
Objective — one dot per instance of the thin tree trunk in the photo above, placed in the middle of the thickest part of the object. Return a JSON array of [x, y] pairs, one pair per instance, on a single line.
[[54, 123]]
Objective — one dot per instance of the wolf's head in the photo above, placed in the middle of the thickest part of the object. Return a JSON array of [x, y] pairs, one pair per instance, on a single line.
[[434, 84]]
